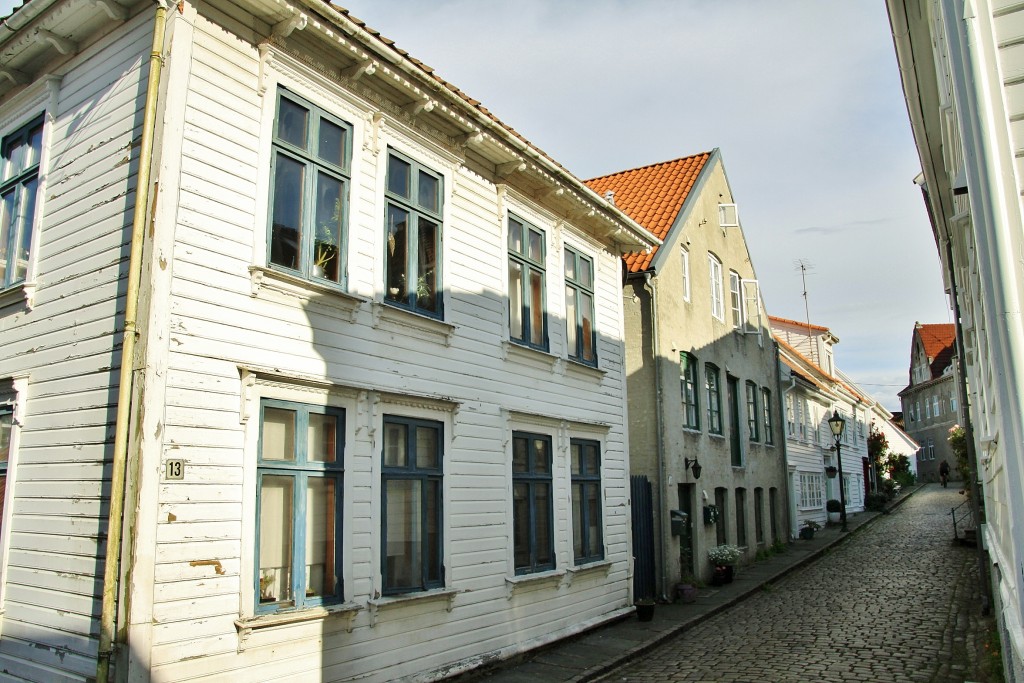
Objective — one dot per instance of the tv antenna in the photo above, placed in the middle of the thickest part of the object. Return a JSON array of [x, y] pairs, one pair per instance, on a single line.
[[803, 265]]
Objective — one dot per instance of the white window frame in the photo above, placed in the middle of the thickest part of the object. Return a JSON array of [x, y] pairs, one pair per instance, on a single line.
[[684, 258], [736, 300], [728, 216], [715, 281], [751, 297], [812, 491]]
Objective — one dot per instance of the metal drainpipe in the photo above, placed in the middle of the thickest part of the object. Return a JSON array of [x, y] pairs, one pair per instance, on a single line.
[[650, 285], [115, 525]]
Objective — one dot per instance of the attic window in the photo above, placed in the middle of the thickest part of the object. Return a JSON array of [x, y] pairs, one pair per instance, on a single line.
[[727, 216]]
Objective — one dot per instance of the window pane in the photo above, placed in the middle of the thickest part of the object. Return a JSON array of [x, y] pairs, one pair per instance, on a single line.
[[278, 434], [24, 224], [327, 241], [399, 174], [35, 143], [593, 503], [542, 526], [592, 459], [536, 308], [541, 457], [321, 578], [515, 236], [397, 253], [322, 438], [433, 530], [428, 192], [586, 273], [571, 323], [276, 507], [292, 123], [426, 282], [286, 231], [15, 157], [426, 448], [332, 143], [521, 524], [577, 520], [570, 265], [6, 225], [575, 457], [395, 445], [404, 535], [515, 299], [536, 246], [520, 457], [587, 311], [6, 426]]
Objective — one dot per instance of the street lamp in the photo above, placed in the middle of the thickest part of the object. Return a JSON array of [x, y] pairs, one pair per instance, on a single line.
[[692, 465], [837, 424]]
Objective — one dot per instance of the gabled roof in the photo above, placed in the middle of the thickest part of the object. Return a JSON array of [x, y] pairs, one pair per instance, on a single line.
[[823, 379], [652, 196], [939, 342], [796, 323]]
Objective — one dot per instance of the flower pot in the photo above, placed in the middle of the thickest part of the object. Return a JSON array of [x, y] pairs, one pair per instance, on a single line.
[[807, 534], [722, 575], [687, 593], [831, 472], [645, 610]]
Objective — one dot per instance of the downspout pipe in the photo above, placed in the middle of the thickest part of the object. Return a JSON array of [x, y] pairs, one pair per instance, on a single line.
[[652, 287], [115, 523]]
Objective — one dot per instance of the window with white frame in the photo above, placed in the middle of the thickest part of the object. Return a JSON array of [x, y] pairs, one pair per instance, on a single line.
[[581, 336], [310, 172], [587, 534], [801, 417], [20, 153], [811, 490], [684, 260], [790, 415], [688, 388], [6, 446], [714, 398], [299, 510], [728, 216], [735, 299], [753, 414], [935, 405], [532, 506], [751, 307], [927, 408], [527, 313], [715, 277], [952, 404], [413, 222], [766, 405], [412, 474]]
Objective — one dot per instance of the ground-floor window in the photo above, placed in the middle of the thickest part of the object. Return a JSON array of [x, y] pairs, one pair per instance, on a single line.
[[585, 462], [811, 490], [533, 529]]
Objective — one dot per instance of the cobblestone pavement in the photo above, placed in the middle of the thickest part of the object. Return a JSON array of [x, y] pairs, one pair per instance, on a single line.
[[897, 602]]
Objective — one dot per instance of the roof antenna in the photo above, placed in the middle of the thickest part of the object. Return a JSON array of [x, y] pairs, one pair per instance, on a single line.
[[804, 265]]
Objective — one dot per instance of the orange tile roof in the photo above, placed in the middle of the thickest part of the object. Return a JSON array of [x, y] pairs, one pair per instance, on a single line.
[[797, 323], [652, 196], [939, 342]]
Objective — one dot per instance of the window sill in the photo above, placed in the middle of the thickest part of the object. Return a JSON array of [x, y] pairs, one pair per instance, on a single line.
[[249, 624], [513, 583], [22, 293], [329, 298], [583, 368], [594, 567], [511, 349], [400, 321], [376, 604]]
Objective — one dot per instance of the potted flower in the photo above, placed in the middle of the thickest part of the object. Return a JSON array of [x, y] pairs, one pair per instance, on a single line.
[[723, 557], [834, 508], [644, 609], [808, 529]]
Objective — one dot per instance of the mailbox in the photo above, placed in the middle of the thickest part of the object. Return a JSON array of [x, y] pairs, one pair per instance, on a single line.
[[679, 521]]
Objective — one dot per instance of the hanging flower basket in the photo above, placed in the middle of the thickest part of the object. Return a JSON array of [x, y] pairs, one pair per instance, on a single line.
[[831, 472]]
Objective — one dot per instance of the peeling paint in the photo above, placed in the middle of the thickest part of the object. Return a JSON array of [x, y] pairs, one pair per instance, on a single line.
[[171, 517], [208, 563]]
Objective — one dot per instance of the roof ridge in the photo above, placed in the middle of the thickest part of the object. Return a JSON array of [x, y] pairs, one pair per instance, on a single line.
[[652, 165]]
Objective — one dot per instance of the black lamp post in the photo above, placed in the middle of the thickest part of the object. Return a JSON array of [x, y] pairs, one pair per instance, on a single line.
[[837, 424]]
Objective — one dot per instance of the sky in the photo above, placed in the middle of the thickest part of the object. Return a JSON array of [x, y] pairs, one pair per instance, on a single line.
[[802, 98]]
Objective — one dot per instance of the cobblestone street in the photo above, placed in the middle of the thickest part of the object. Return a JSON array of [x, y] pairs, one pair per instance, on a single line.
[[897, 602]]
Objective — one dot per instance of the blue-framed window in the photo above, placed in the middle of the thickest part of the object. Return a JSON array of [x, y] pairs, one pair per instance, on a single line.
[[309, 187], [19, 179], [688, 389], [299, 505], [766, 406], [713, 387], [412, 258], [587, 536], [412, 545], [533, 530], [527, 314], [581, 337], [753, 414], [6, 437]]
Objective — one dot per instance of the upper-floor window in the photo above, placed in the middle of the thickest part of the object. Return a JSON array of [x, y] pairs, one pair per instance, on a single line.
[[299, 488], [587, 536], [19, 179], [753, 415], [581, 337], [714, 396], [735, 299], [715, 276], [527, 317], [766, 406], [927, 408], [309, 190], [688, 389], [790, 415], [952, 404], [532, 506], [684, 259], [935, 405], [412, 500], [412, 252]]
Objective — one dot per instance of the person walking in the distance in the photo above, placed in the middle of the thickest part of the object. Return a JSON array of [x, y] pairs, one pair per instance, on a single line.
[[944, 473]]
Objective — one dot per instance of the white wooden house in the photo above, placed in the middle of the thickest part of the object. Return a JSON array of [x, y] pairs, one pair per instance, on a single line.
[[373, 426]]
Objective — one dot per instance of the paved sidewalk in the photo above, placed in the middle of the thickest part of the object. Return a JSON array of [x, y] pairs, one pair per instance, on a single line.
[[588, 655]]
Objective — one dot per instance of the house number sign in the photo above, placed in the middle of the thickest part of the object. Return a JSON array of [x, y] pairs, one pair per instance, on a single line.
[[175, 469]]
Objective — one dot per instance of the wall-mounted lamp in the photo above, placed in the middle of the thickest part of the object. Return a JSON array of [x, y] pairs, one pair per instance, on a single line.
[[692, 465]]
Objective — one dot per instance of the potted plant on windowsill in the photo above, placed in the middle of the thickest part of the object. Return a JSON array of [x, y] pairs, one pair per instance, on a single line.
[[724, 558]]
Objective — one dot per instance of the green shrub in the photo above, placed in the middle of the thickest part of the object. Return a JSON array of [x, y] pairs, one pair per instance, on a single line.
[[905, 479], [875, 501]]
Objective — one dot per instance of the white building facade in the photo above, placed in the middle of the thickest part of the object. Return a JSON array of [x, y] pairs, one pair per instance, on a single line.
[[377, 426]]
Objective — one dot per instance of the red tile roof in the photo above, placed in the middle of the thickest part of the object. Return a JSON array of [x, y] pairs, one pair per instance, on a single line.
[[797, 323], [652, 196], [939, 342]]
